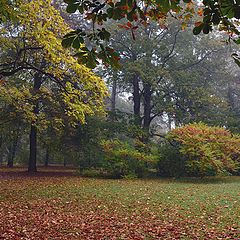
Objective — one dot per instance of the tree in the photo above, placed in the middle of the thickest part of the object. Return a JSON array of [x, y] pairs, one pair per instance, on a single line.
[[167, 79], [47, 72]]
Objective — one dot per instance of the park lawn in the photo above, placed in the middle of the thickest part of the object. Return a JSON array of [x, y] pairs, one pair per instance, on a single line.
[[57, 206]]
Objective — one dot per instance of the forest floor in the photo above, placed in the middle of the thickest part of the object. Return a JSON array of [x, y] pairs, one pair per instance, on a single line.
[[57, 204]]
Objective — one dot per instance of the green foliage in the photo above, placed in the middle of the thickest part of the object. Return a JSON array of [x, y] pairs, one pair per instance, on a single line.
[[122, 159], [171, 162], [135, 13], [208, 150], [92, 173], [8, 10], [40, 81], [130, 176], [87, 138], [219, 13]]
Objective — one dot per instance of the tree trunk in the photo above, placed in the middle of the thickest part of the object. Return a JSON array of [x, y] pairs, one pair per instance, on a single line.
[[12, 152], [64, 161], [113, 99], [13, 146], [136, 100], [1, 158], [1, 150], [9, 157], [169, 122], [147, 107], [32, 163], [231, 97], [46, 157]]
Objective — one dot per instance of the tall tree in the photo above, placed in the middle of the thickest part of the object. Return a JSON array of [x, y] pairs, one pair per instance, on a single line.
[[167, 77], [34, 49]]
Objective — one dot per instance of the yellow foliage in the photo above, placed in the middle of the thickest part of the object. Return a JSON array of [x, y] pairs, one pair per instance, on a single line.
[[43, 27]]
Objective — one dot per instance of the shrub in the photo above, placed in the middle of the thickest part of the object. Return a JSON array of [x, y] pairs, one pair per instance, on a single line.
[[208, 150], [130, 176], [91, 173], [171, 162], [122, 159]]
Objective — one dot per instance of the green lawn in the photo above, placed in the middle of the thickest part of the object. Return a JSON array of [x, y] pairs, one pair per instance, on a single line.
[[54, 206]]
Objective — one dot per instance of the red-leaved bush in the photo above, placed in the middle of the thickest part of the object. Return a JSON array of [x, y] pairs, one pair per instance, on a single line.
[[207, 149]]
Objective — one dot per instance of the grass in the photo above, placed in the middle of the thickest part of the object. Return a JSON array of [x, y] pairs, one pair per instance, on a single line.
[[71, 207]]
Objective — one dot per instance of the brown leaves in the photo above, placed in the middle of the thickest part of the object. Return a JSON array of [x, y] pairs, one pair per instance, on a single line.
[[67, 208]]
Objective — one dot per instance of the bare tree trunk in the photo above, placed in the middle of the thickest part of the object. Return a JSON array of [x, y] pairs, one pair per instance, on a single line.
[[147, 107], [136, 101], [64, 161], [113, 98], [46, 157], [9, 156], [13, 149], [32, 164], [1, 150]]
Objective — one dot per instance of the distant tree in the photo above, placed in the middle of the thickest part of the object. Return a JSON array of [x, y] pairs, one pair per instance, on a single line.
[[167, 78]]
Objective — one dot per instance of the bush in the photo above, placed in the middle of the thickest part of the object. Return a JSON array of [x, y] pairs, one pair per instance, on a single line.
[[208, 150], [92, 173], [171, 162], [130, 176], [122, 159]]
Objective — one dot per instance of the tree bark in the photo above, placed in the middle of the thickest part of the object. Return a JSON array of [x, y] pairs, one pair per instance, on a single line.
[[12, 150], [113, 98], [147, 107], [9, 156], [136, 101], [231, 97], [64, 161], [32, 163], [46, 157]]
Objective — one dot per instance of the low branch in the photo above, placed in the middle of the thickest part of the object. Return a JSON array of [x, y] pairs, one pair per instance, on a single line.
[[12, 72]]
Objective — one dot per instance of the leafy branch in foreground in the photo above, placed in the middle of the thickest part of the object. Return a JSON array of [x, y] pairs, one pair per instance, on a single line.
[[92, 43]]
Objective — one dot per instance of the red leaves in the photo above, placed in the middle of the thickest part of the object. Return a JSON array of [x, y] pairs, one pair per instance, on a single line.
[[129, 26], [2, 81], [208, 148], [197, 24], [125, 7]]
